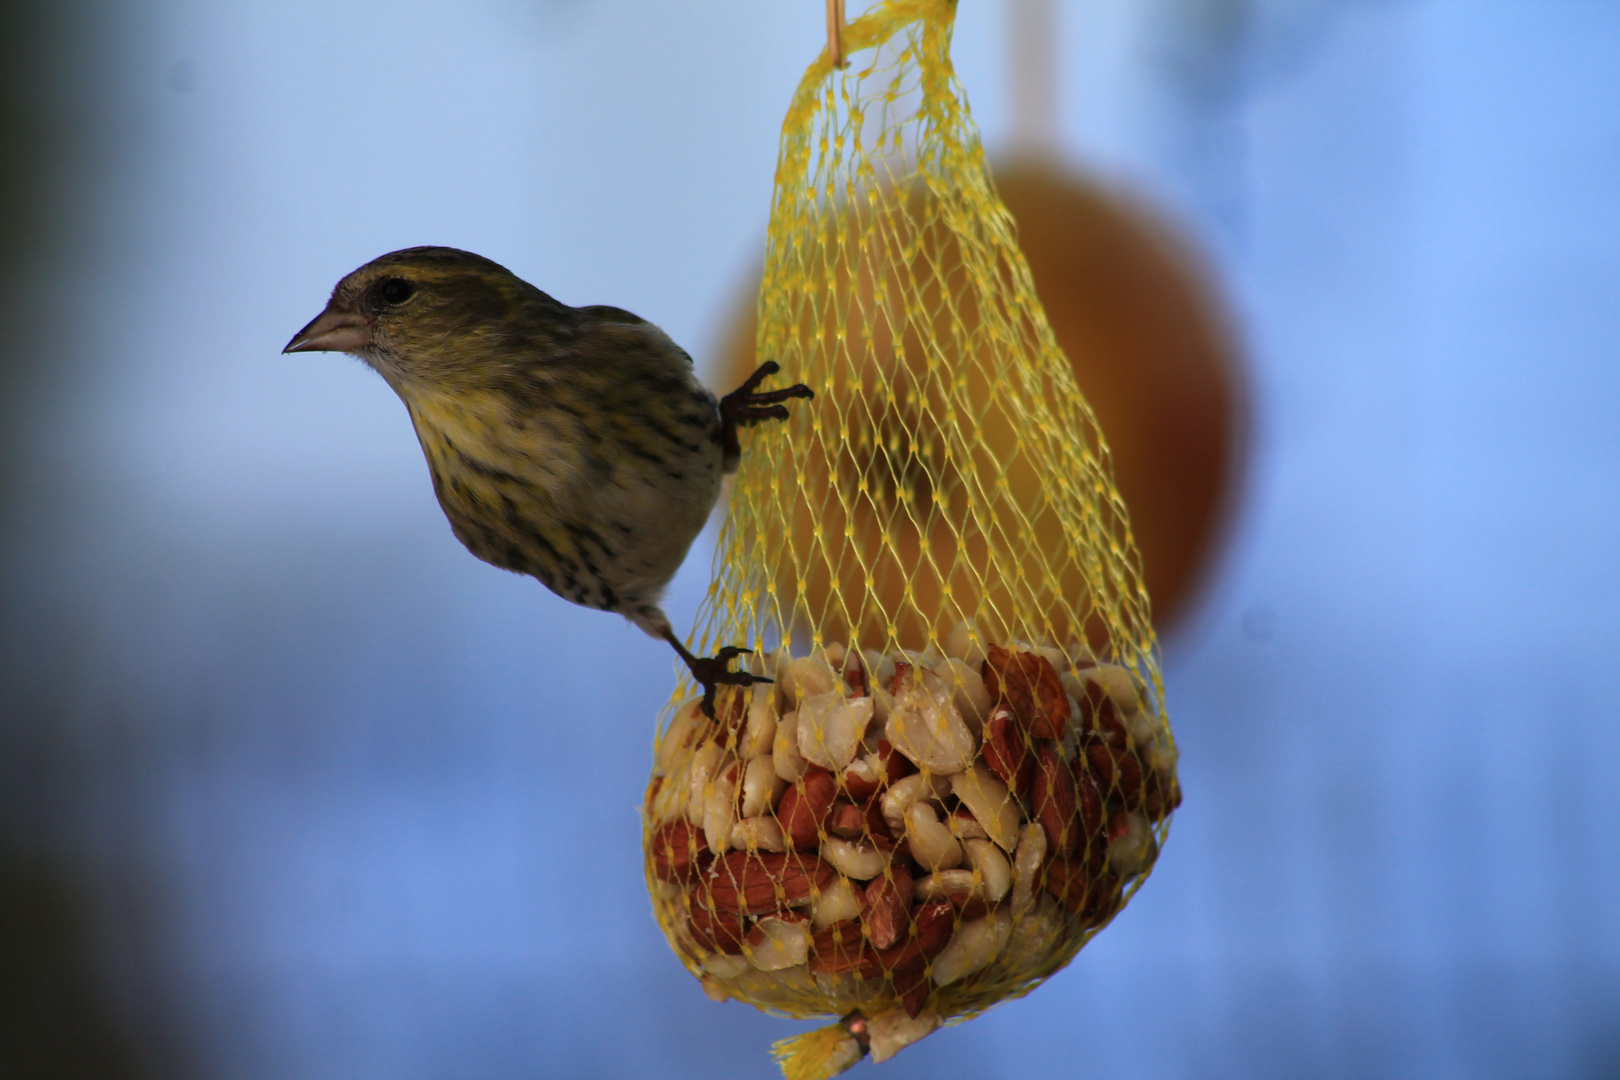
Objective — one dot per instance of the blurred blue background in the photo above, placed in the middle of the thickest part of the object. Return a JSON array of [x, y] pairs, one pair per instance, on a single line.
[[290, 785]]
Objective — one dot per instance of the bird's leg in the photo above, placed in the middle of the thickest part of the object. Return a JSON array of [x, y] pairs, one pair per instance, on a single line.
[[744, 408], [712, 671]]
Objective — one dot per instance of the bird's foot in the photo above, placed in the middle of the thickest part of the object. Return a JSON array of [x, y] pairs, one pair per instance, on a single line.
[[745, 406], [713, 672]]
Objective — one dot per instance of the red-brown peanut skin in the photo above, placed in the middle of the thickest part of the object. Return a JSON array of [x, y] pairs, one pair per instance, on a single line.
[[846, 820], [840, 947], [888, 907], [913, 988], [1154, 804], [1067, 880], [931, 924], [859, 788], [676, 849], [756, 883], [730, 706], [1104, 899], [972, 908], [1054, 802], [1006, 753], [1160, 795], [1030, 684], [803, 810], [1099, 717], [896, 766], [720, 931], [855, 678], [1090, 805], [1118, 772], [876, 826]]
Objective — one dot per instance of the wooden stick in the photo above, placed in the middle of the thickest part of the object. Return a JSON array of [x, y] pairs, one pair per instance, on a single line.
[[835, 33]]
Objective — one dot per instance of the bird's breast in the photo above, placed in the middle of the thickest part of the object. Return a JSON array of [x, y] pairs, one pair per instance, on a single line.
[[597, 506], [481, 434]]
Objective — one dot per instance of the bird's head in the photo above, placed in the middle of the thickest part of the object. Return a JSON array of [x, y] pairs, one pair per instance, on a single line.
[[429, 314]]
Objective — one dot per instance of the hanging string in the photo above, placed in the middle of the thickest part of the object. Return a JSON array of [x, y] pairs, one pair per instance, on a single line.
[[1034, 61]]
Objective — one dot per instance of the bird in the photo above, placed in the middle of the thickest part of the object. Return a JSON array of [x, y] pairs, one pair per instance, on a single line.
[[572, 444]]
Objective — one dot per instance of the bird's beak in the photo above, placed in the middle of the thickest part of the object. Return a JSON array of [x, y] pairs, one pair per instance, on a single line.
[[333, 330]]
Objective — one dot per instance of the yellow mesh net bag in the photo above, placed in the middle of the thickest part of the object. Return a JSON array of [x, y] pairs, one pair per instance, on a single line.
[[963, 768]]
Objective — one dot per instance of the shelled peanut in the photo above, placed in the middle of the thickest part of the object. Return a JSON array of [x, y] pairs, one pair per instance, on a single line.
[[912, 835]]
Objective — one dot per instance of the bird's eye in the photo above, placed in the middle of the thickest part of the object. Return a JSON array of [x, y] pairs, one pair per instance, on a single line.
[[397, 290]]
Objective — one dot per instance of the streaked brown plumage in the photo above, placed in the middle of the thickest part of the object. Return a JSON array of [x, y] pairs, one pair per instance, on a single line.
[[575, 445]]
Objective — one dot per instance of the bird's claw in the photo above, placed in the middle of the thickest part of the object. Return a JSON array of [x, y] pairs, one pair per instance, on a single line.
[[745, 406], [714, 671], [747, 397]]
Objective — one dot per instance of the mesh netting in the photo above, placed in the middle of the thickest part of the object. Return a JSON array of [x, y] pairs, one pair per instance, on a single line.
[[964, 766]]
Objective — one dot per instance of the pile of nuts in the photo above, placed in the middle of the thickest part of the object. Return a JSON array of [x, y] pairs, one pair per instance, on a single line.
[[911, 836]]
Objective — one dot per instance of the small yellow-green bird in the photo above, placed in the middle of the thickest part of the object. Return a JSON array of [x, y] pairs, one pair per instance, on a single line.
[[575, 445]]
